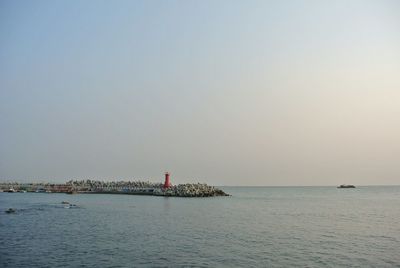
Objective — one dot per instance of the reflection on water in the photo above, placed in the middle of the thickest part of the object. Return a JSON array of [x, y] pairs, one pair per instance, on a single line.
[[167, 203]]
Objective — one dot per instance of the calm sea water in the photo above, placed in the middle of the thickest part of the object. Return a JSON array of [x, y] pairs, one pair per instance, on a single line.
[[256, 227]]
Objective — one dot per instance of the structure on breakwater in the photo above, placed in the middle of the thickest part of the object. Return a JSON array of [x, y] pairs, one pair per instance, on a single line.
[[118, 187]]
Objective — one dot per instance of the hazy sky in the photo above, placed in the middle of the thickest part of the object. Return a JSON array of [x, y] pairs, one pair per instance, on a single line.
[[223, 92]]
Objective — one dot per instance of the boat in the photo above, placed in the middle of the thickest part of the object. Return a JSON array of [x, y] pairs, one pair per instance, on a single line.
[[346, 186]]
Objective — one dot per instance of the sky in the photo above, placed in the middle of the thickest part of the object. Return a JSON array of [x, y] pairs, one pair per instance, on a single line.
[[221, 92]]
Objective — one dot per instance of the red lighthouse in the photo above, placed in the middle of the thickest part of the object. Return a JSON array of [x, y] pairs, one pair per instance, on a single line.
[[167, 183]]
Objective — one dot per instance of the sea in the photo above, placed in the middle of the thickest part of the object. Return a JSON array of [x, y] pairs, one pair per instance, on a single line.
[[254, 227]]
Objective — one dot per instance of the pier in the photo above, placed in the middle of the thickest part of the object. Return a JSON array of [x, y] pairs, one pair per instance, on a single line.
[[118, 187]]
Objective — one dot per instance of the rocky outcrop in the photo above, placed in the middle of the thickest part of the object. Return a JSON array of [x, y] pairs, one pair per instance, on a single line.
[[190, 190]]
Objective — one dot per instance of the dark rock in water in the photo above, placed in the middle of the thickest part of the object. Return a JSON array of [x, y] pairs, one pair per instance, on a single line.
[[345, 186], [10, 210]]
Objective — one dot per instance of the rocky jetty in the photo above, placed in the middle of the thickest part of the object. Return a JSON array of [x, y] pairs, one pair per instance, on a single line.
[[190, 190], [118, 187], [95, 185]]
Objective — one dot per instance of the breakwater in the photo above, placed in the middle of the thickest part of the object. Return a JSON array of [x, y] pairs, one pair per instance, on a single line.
[[116, 187], [191, 190]]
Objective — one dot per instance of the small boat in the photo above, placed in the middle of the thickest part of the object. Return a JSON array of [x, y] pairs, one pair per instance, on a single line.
[[346, 186], [64, 202], [10, 210]]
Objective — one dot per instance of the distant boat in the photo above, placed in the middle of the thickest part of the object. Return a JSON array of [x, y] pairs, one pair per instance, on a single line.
[[345, 186]]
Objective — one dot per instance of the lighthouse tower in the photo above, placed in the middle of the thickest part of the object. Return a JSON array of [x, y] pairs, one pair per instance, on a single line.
[[167, 183]]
